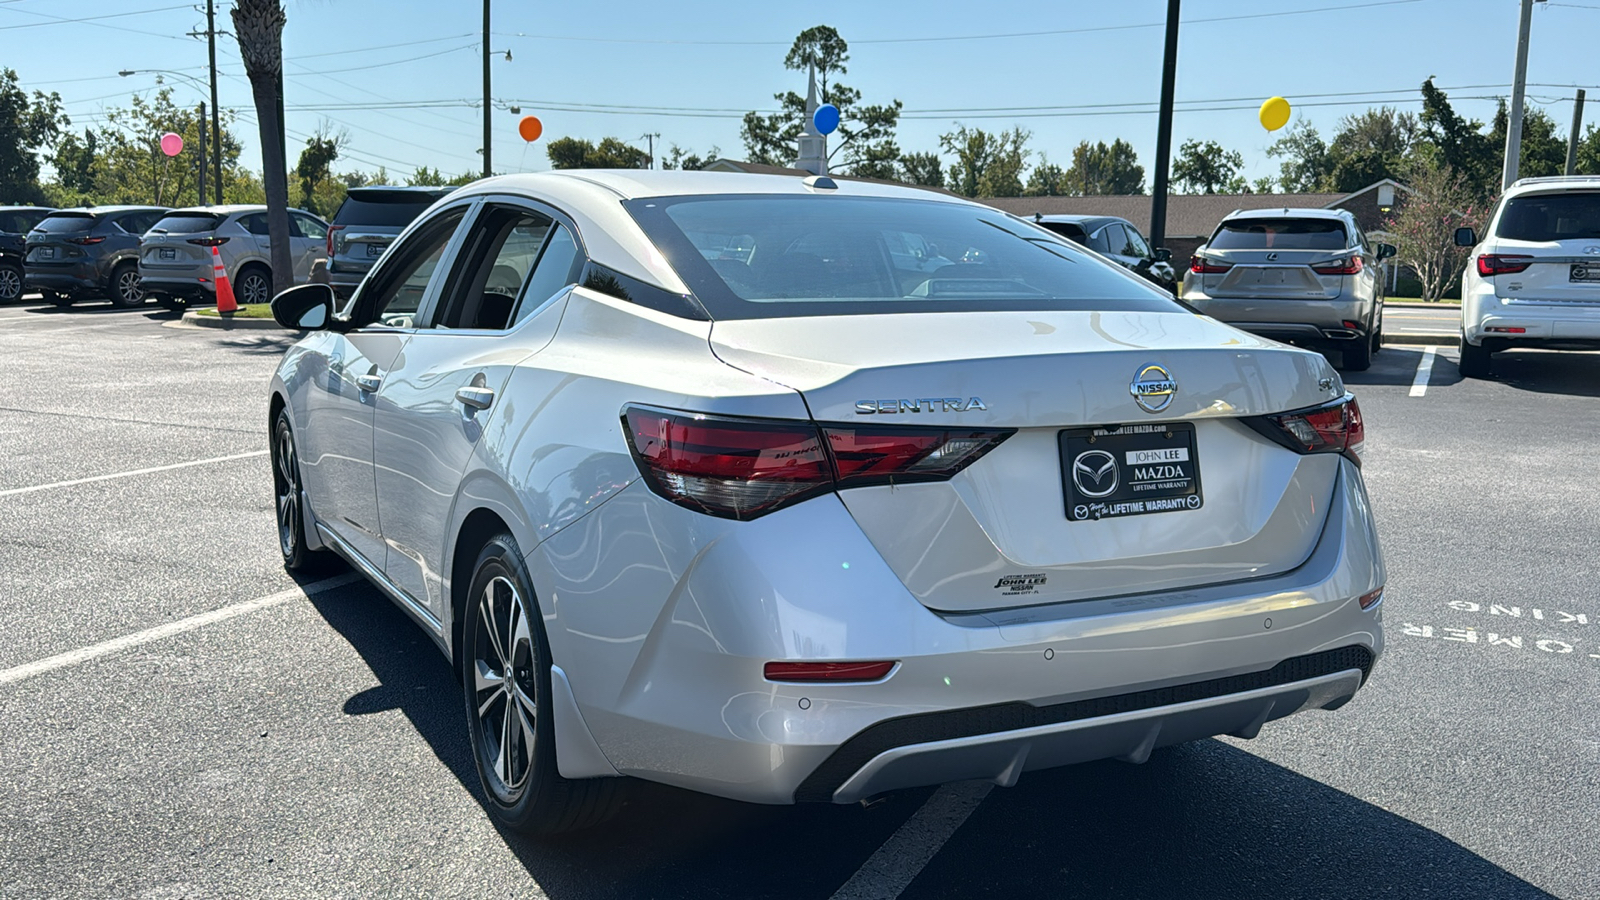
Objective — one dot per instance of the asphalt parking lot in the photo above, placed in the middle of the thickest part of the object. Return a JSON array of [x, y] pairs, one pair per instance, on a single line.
[[177, 719]]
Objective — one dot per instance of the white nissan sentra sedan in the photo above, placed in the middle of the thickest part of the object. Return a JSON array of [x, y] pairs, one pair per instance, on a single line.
[[788, 490]]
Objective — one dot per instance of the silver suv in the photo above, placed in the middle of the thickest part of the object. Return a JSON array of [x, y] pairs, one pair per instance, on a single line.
[[175, 254], [1307, 277]]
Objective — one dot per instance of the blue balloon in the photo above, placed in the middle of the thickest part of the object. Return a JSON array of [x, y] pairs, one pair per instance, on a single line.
[[826, 118]]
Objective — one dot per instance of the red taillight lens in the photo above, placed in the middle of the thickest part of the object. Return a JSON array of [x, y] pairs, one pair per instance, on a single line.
[[1490, 264], [331, 230], [1334, 428], [1343, 267], [212, 241], [1202, 266], [745, 468], [85, 241], [1371, 598], [826, 671]]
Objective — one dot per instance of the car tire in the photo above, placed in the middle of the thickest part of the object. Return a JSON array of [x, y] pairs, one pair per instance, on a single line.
[[503, 632], [1475, 361], [125, 290], [10, 284], [1358, 356], [255, 286], [289, 501]]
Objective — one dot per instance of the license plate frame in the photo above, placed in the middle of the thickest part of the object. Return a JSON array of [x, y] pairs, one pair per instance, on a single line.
[[374, 250], [166, 253], [46, 253], [1584, 273], [1111, 471]]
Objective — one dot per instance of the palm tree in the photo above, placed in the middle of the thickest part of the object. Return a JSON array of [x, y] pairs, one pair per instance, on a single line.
[[258, 27]]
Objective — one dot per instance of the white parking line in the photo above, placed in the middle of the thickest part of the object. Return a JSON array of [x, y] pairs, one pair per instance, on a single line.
[[183, 465], [1419, 387], [116, 645], [903, 856]]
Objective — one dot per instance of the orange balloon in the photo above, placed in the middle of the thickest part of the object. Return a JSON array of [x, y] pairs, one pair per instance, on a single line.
[[530, 128]]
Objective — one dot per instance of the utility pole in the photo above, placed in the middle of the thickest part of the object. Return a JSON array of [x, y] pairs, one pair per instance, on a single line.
[[1158, 189], [200, 191], [488, 108], [651, 137], [1518, 83], [1577, 124], [216, 121]]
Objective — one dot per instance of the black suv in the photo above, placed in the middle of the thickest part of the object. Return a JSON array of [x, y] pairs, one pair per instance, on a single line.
[[81, 254], [15, 223], [368, 221]]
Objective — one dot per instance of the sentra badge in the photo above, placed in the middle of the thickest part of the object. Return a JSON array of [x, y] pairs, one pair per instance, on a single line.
[[1153, 388]]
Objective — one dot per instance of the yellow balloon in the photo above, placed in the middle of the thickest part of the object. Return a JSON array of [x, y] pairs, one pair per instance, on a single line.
[[1274, 114]]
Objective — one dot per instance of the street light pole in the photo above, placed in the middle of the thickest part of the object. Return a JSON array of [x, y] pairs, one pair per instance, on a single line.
[[1158, 189], [1518, 83], [488, 108]]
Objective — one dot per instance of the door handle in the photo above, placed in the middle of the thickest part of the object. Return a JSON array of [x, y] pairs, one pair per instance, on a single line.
[[369, 383], [475, 397]]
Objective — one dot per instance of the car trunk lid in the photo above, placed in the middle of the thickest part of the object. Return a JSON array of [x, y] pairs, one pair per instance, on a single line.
[[1003, 532]]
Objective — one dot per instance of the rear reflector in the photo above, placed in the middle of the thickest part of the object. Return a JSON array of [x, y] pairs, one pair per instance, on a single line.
[[1202, 266], [1333, 428], [1490, 264], [1371, 598], [745, 468], [1501, 329], [1349, 266], [827, 671]]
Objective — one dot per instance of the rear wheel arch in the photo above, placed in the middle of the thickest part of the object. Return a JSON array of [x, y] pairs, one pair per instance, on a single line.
[[479, 526]]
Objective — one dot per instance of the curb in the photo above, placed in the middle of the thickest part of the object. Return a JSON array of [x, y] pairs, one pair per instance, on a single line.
[[1433, 340], [194, 318]]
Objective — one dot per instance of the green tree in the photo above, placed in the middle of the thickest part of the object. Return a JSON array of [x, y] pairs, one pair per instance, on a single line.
[[127, 165], [1305, 165], [1370, 146], [1099, 168], [75, 164], [1459, 143], [924, 169], [610, 153], [320, 192], [866, 131], [679, 158], [987, 165], [1047, 180], [27, 128], [1206, 168], [258, 30], [425, 177], [1544, 148], [1441, 201]]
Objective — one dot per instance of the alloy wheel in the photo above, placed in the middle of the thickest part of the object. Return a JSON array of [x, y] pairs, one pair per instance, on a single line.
[[10, 284], [505, 692], [288, 490], [253, 288], [129, 288]]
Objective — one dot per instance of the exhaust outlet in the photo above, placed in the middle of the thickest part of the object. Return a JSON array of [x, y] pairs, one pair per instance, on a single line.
[[1339, 333]]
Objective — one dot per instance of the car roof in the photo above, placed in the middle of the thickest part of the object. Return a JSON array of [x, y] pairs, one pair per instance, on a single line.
[[1289, 212], [106, 210], [228, 209], [633, 184], [46, 209], [1553, 184], [423, 190]]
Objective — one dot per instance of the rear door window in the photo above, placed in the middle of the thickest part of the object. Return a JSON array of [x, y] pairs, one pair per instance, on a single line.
[[305, 226], [1280, 234], [1116, 240], [255, 223], [498, 256], [557, 268], [1551, 217]]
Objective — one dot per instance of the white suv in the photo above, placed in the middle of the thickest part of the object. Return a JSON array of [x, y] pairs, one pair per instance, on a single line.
[[1534, 279]]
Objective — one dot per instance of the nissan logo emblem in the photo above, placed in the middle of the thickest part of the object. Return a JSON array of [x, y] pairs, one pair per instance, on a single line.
[[1153, 388]]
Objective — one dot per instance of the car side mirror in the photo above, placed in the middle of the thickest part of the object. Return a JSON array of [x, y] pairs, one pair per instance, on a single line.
[[1465, 238], [1386, 251], [1163, 254], [306, 307]]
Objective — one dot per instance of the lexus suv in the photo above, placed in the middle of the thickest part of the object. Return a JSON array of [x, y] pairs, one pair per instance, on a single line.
[[1307, 277], [1533, 279], [84, 254], [367, 222], [175, 258]]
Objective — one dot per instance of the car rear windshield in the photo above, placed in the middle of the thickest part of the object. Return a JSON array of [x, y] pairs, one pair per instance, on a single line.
[[1280, 234], [1551, 217], [66, 223], [768, 256], [384, 209], [188, 223]]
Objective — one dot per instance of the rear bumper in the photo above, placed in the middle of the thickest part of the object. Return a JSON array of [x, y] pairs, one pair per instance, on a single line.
[[665, 659], [1309, 323], [1554, 324], [80, 278]]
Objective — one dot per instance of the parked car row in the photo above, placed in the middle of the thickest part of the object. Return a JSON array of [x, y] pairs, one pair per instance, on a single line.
[[131, 254]]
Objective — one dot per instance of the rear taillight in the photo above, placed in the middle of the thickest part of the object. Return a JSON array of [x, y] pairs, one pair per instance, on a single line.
[[85, 241], [212, 241], [746, 468], [1333, 428], [1490, 264], [1342, 267], [827, 671], [1371, 598], [331, 230], [1202, 266]]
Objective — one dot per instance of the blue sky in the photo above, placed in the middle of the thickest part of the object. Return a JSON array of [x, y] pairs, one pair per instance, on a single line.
[[686, 69]]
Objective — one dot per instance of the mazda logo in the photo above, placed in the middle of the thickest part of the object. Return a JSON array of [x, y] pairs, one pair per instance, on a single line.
[[1095, 473], [1153, 388]]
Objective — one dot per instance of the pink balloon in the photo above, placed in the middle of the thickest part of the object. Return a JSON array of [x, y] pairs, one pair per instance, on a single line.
[[171, 144]]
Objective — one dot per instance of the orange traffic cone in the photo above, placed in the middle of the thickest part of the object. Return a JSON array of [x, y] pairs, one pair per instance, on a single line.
[[219, 277]]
